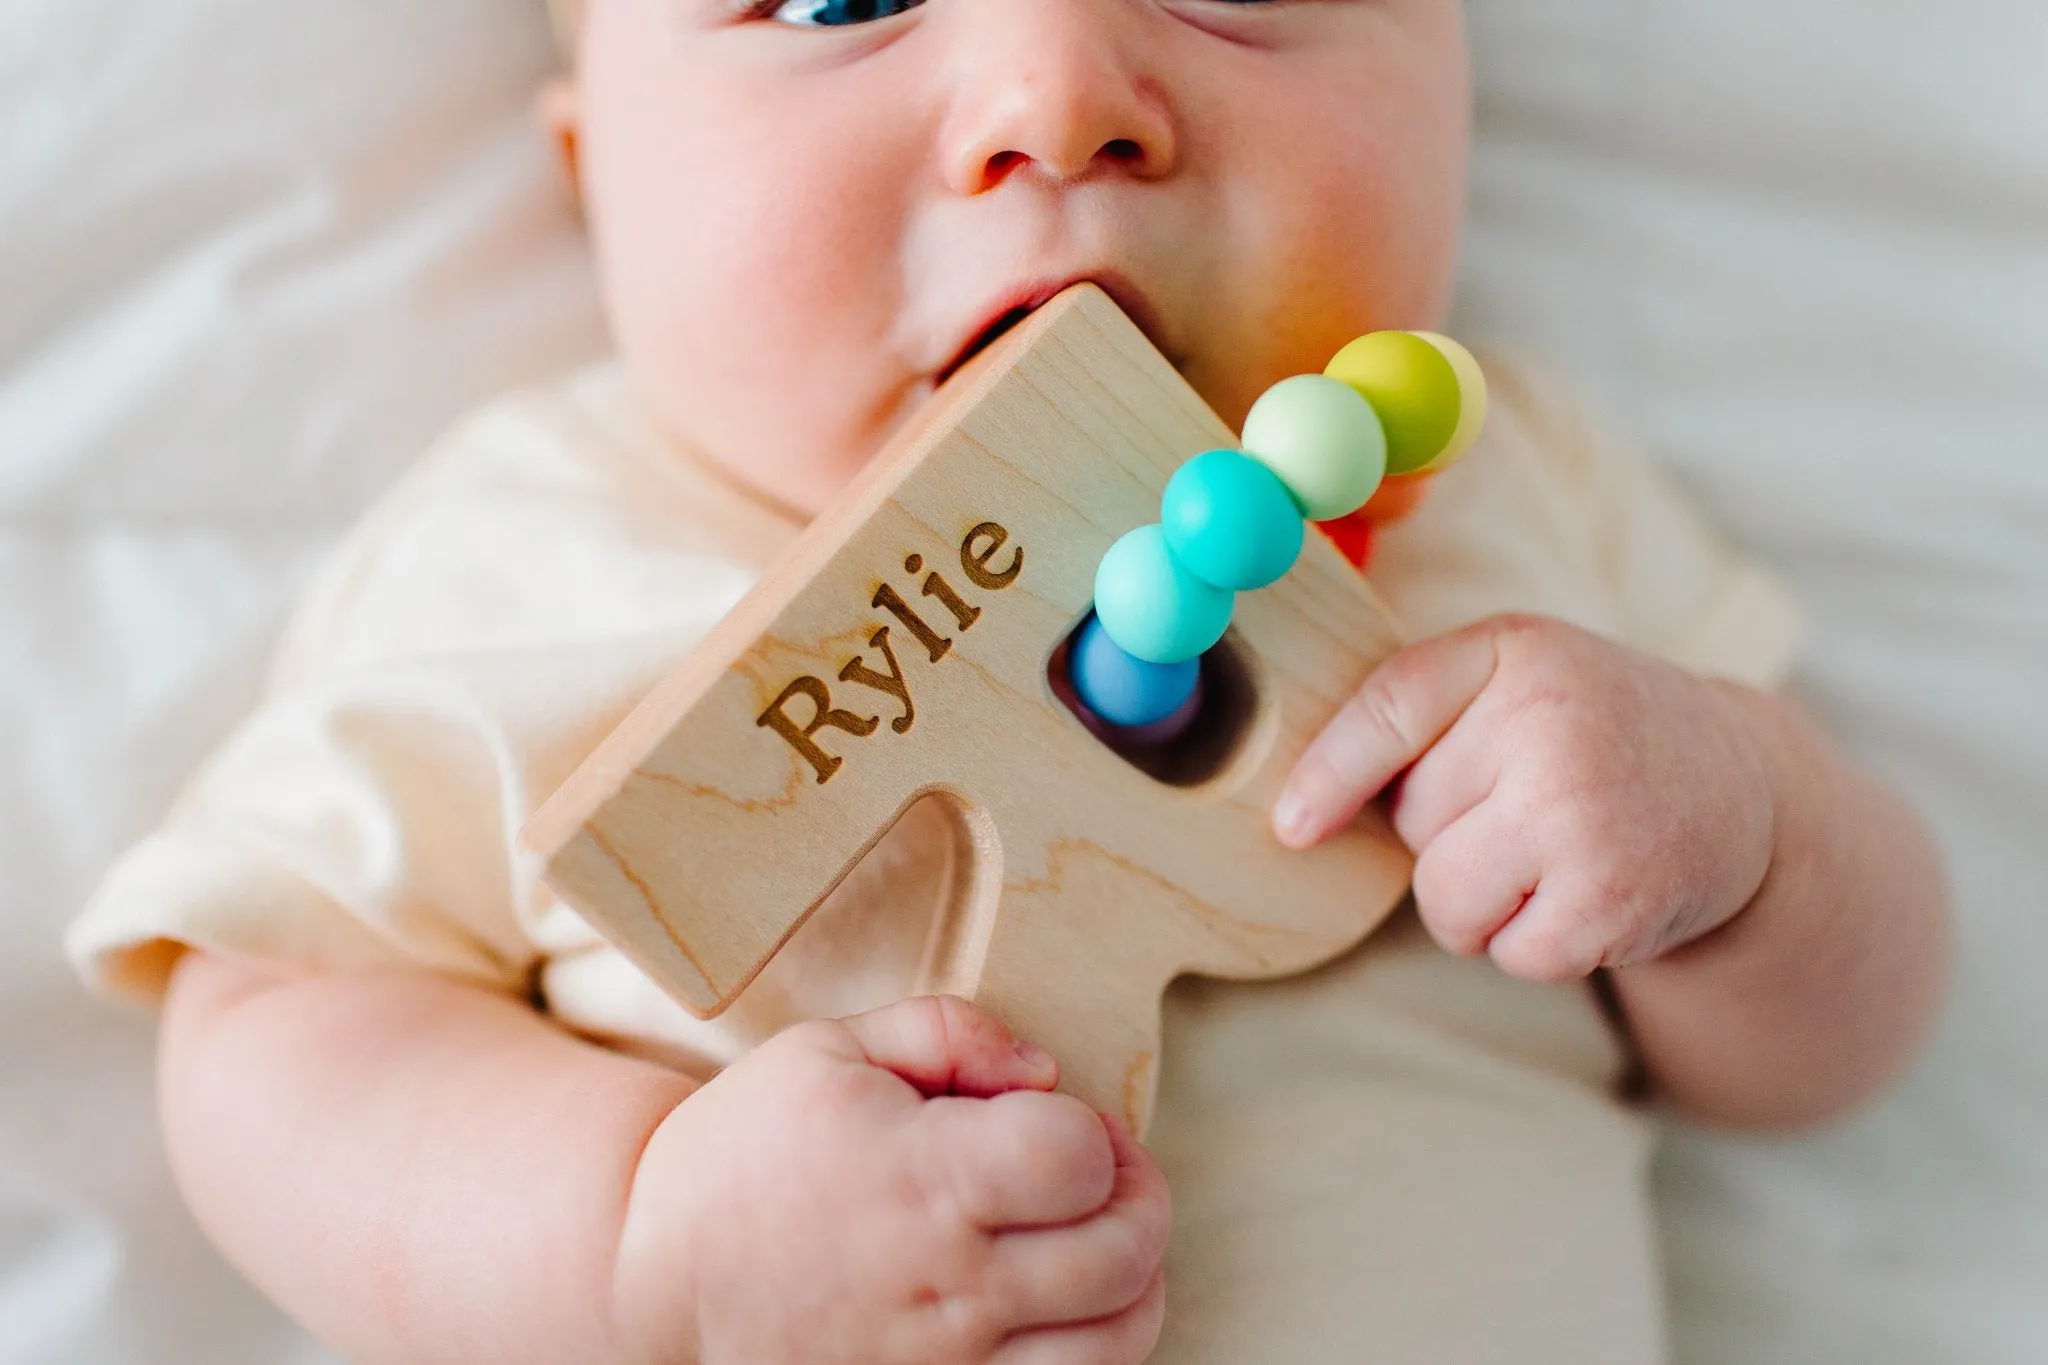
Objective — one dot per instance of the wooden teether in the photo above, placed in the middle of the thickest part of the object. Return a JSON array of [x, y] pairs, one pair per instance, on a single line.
[[902, 650]]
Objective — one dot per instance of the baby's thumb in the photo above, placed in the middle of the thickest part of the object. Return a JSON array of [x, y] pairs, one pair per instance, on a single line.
[[945, 1045]]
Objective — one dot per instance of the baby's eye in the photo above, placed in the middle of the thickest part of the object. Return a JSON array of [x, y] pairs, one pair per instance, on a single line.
[[838, 13]]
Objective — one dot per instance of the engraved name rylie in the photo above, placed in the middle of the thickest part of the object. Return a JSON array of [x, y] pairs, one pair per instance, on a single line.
[[977, 548]]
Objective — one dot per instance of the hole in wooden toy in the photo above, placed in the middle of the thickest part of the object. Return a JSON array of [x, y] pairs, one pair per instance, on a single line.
[[1222, 726], [911, 912]]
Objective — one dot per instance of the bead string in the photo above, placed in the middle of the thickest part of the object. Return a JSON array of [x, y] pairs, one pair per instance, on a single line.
[[1316, 447]]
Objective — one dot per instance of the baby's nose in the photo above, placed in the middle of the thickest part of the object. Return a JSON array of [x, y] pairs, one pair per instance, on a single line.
[[1058, 86]]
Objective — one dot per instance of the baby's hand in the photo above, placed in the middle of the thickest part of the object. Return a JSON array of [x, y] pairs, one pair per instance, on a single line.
[[1572, 804], [897, 1186]]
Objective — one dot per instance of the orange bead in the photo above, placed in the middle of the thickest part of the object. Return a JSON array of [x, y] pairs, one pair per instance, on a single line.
[[1400, 495]]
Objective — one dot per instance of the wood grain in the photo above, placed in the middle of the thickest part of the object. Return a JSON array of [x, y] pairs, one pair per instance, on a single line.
[[703, 833]]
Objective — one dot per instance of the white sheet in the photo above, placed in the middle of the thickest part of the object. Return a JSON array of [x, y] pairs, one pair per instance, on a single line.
[[1804, 248], [252, 255]]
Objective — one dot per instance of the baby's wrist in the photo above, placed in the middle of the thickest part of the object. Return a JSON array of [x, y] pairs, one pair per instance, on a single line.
[[1762, 735], [1767, 730]]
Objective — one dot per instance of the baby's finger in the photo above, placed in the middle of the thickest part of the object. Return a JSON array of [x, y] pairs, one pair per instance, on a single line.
[[1473, 878], [1407, 704], [1453, 778], [1019, 1160], [944, 1045], [1125, 1339], [1562, 933], [1094, 1268]]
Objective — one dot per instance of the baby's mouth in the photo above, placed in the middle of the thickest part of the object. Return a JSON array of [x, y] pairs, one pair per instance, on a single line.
[[1008, 311], [986, 338]]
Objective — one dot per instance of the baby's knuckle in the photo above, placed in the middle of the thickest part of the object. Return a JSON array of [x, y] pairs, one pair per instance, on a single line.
[[1128, 1270], [1525, 629], [1572, 821], [1381, 707], [1063, 1141], [1448, 911], [962, 1326], [933, 1021], [1543, 961], [1567, 740], [805, 1063], [1149, 1225], [960, 1021], [807, 1037], [1595, 913], [955, 1294], [1552, 951], [1533, 645], [1608, 906]]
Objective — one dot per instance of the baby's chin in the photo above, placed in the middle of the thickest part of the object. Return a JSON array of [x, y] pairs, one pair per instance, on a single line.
[[808, 472], [802, 481], [799, 471]]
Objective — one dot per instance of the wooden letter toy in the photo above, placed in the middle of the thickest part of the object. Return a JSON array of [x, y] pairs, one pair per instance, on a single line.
[[906, 648]]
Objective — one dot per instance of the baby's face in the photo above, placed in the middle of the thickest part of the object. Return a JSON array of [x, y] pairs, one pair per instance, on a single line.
[[805, 216]]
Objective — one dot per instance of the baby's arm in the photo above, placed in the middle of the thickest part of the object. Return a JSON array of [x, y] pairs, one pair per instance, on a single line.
[[424, 1171], [1775, 920], [415, 1169]]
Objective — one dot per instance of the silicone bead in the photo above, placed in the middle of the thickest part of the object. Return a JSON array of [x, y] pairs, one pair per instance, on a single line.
[[1353, 537], [1122, 688], [1322, 439], [1230, 521], [1172, 727], [1151, 606], [1412, 385], [1471, 398], [1398, 497]]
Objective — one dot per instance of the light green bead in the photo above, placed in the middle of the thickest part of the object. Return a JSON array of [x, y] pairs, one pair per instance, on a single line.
[[1411, 385], [1323, 440]]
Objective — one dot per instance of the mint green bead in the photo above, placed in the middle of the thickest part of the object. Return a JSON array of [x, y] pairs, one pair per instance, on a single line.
[[1151, 606], [1230, 521], [1324, 441]]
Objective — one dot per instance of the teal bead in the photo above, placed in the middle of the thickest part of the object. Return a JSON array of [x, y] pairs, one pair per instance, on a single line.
[[1230, 521], [1151, 606], [1323, 439]]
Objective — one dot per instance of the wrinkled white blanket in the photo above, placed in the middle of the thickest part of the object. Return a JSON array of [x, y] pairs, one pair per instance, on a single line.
[[252, 256]]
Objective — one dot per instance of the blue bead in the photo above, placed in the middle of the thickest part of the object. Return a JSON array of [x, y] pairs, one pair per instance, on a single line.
[[1122, 688], [1167, 730], [1230, 521], [1154, 608]]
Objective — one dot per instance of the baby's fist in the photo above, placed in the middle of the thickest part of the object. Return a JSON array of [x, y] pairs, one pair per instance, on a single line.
[[1571, 803], [900, 1186]]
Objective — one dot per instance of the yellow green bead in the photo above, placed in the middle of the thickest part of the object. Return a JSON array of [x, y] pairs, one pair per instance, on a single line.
[[1322, 439], [1413, 387], [1471, 398]]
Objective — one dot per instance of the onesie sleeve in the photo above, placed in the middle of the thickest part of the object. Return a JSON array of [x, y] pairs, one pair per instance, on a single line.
[[473, 639], [1551, 514]]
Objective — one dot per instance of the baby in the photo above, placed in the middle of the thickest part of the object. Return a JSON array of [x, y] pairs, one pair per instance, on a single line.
[[435, 1117]]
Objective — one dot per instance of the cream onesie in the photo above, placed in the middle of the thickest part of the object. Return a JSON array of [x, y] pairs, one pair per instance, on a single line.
[[1401, 1157]]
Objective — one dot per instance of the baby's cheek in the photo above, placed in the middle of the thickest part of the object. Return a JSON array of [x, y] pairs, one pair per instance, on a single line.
[[748, 246]]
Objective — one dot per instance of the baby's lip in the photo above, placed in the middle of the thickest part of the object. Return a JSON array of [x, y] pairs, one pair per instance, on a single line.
[[1014, 305]]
